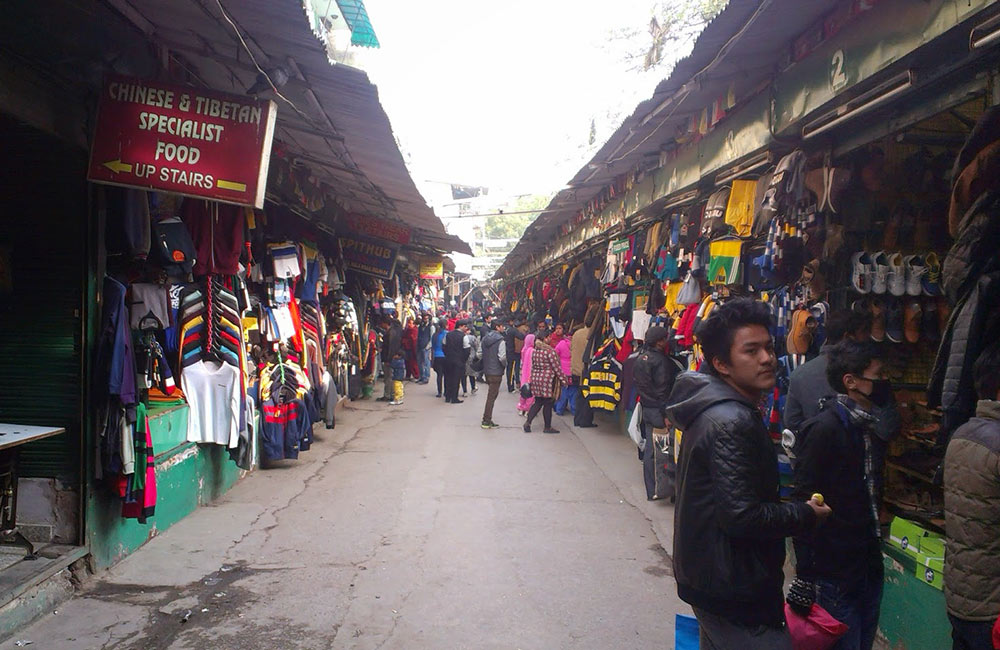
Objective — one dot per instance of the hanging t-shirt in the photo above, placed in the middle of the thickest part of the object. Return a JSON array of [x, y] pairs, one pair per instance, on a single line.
[[213, 393]]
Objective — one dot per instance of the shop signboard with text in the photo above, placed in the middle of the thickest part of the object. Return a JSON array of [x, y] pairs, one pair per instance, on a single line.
[[431, 269], [180, 139], [369, 256], [377, 228]]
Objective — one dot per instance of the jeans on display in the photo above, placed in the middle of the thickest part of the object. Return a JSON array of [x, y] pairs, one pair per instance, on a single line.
[[543, 404], [856, 605], [424, 359], [971, 635], [719, 633], [493, 381]]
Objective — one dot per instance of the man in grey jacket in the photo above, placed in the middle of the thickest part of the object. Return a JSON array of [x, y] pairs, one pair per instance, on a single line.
[[494, 363], [808, 384], [972, 514]]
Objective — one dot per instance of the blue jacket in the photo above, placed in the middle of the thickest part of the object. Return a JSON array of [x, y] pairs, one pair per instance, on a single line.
[[439, 343]]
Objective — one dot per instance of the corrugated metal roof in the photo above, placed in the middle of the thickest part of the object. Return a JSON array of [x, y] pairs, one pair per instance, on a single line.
[[330, 116], [740, 47]]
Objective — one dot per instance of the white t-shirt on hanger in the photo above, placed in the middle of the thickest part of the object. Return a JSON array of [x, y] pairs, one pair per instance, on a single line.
[[213, 393]]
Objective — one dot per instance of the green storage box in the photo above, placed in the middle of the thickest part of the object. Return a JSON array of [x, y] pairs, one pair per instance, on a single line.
[[910, 536], [931, 570]]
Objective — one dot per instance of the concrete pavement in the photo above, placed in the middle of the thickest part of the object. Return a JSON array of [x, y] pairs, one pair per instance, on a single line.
[[407, 527]]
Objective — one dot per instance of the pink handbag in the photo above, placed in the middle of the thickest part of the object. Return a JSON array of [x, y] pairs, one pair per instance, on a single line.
[[816, 631]]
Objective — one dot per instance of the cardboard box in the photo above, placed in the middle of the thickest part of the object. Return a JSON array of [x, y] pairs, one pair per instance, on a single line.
[[910, 537], [931, 571], [932, 545]]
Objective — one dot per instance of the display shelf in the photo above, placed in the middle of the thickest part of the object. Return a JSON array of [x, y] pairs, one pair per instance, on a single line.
[[910, 472], [908, 512]]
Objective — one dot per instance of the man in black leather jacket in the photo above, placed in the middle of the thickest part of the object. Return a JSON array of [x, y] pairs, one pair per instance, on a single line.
[[653, 374], [729, 524]]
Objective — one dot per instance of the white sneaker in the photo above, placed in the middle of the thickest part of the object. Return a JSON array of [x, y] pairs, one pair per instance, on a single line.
[[880, 277], [861, 272], [897, 275], [915, 270], [395, 402]]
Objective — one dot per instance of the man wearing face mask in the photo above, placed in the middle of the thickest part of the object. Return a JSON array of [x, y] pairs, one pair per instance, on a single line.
[[835, 457]]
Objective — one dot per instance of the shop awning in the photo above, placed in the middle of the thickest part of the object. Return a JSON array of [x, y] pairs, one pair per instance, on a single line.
[[329, 115], [362, 33], [737, 51]]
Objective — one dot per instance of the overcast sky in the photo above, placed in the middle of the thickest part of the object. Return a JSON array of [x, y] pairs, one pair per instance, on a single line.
[[501, 94]]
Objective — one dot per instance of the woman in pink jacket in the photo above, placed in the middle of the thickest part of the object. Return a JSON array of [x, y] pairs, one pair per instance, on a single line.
[[526, 351], [567, 398]]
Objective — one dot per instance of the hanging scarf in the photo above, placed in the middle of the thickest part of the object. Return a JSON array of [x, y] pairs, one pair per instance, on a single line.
[[863, 422]]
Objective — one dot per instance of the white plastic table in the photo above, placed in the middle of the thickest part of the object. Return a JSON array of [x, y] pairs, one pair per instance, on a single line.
[[12, 436]]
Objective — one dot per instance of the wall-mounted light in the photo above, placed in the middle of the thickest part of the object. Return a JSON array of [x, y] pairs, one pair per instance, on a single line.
[[863, 103], [985, 33], [748, 166], [681, 199]]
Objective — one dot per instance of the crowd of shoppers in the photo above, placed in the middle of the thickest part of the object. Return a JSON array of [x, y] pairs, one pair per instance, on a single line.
[[730, 526]]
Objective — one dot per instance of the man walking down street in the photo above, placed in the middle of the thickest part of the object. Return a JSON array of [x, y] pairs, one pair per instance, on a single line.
[[455, 355], [392, 346], [972, 515], [834, 456], [494, 364], [729, 524], [424, 333], [653, 375]]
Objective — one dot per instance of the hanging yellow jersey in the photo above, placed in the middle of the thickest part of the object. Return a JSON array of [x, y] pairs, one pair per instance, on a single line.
[[739, 210]]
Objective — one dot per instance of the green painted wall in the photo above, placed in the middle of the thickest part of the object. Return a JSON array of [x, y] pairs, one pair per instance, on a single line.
[[187, 476], [913, 615]]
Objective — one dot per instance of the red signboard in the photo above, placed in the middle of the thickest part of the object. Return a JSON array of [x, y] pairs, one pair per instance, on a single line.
[[180, 139], [377, 228]]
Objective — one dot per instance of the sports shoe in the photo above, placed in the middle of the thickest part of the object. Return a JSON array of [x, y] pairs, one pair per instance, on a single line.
[[915, 271], [861, 272], [880, 278], [395, 402], [930, 325], [878, 320], [894, 321], [897, 275], [931, 280], [485, 425], [911, 320], [494, 425]]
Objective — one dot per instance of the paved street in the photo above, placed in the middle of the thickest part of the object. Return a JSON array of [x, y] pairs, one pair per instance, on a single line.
[[406, 527]]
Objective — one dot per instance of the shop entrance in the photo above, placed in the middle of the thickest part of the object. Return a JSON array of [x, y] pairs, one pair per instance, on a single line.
[[43, 308]]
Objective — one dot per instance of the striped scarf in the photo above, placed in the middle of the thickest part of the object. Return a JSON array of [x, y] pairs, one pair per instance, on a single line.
[[863, 422]]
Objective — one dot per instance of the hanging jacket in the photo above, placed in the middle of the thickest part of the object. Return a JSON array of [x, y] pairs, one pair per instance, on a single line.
[[973, 324], [729, 525], [602, 385]]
